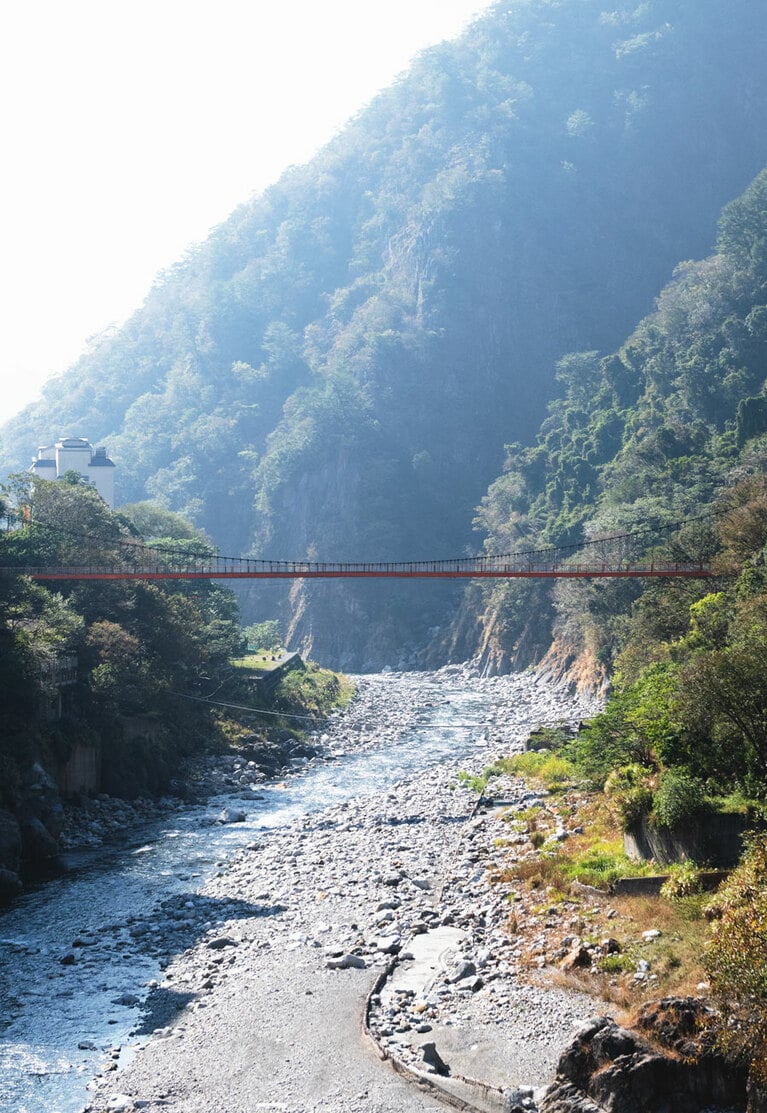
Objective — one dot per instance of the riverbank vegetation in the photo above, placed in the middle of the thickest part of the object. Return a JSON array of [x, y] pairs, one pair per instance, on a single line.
[[670, 428], [312, 691], [113, 686]]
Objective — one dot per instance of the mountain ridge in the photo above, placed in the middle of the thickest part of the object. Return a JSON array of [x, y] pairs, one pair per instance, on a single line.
[[337, 369]]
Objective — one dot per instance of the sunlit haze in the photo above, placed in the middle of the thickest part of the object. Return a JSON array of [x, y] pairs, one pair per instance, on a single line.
[[129, 129]]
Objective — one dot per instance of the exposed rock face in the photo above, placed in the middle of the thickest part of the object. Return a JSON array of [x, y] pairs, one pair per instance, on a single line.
[[29, 836], [669, 1064], [40, 798], [10, 854], [41, 819]]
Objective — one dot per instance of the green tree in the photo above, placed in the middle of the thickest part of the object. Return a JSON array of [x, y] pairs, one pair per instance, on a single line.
[[154, 521], [726, 691], [640, 725], [264, 635]]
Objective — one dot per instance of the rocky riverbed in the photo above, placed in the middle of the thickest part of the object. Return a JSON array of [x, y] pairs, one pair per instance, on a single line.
[[369, 929]]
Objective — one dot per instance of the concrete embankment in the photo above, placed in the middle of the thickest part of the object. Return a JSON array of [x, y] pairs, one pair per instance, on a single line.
[[268, 1010]]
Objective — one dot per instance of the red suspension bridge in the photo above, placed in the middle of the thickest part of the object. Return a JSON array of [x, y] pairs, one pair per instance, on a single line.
[[611, 556], [229, 568]]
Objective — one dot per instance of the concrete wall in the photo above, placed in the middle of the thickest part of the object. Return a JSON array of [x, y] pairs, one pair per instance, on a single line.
[[82, 772], [715, 840]]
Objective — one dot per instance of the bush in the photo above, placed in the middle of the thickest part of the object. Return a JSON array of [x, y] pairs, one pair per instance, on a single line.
[[476, 781], [552, 771], [680, 797], [736, 961], [312, 691], [637, 724], [549, 738], [630, 789], [683, 881]]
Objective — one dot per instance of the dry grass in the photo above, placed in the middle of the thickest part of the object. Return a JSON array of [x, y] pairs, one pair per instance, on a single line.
[[595, 855], [674, 957]]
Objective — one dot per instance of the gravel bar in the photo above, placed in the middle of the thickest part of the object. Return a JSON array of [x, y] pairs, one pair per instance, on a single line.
[[267, 1011]]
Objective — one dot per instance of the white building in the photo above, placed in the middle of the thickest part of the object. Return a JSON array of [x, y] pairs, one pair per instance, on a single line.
[[77, 454]]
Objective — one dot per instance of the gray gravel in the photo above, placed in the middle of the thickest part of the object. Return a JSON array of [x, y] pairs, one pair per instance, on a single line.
[[265, 1013]]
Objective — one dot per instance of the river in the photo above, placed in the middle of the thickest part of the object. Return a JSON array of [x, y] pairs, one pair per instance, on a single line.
[[73, 966]]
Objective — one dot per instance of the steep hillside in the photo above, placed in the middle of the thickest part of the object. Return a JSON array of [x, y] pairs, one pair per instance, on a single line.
[[660, 431], [336, 370]]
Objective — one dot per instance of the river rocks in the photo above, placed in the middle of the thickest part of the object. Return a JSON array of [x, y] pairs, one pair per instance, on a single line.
[[387, 945], [128, 1000], [231, 815], [41, 849], [578, 958], [346, 962], [459, 969], [10, 884], [120, 1103], [220, 942], [39, 798], [315, 902], [432, 1059], [10, 841]]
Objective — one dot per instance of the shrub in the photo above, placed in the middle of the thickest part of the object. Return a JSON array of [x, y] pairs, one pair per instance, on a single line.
[[552, 771], [601, 866], [683, 881], [529, 816], [630, 789], [616, 964], [637, 723], [312, 691], [680, 797], [736, 961], [477, 781], [264, 635], [549, 738]]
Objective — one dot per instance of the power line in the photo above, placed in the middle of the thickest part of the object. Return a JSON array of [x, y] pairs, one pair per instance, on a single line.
[[312, 719], [241, 707]]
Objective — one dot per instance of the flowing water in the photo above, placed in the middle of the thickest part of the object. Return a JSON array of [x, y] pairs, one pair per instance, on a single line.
[[58, 1020]]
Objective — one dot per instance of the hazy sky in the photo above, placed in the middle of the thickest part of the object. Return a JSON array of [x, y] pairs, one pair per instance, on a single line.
[[128, 128]]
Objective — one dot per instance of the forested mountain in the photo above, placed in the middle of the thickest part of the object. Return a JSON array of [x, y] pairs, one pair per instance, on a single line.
[[672, 424], [336, 370]]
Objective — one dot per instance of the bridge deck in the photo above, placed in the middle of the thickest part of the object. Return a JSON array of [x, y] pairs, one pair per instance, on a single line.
[[300, 571]]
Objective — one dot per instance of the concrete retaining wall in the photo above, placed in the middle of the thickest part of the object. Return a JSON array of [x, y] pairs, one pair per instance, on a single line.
[[82, 772], [715, 840]]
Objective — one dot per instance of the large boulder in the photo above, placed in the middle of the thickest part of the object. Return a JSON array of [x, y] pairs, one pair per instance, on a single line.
[[41, 819], [668, 1064], [41, 849], [39, 798], [10, 884]]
